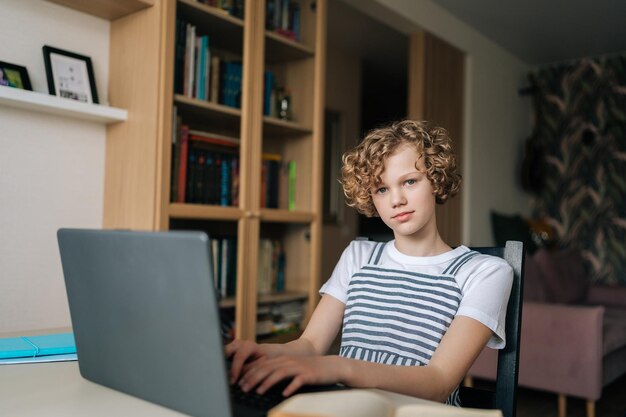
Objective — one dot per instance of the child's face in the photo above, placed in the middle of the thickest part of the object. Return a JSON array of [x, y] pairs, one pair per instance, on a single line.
[[404, 199]]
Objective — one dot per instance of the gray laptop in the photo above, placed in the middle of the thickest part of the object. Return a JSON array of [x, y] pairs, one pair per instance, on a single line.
[[145, 316]]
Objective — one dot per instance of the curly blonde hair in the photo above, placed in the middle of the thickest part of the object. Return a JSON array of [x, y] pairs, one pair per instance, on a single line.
[[363, 165]]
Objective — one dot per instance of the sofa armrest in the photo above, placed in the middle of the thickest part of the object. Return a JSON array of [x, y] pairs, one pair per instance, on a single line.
[[561, 349], [608, 296]]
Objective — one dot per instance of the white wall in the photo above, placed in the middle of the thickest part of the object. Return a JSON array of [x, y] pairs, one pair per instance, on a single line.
[[496, 118], [51, 168]]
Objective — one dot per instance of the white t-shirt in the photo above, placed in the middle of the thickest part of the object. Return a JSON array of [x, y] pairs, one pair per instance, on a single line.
[[484, 281]]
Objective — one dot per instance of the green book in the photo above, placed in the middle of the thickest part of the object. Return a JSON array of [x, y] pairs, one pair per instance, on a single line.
[[292, 186]]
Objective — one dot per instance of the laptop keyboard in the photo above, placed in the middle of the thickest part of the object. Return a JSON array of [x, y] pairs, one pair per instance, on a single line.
[[270, 399]]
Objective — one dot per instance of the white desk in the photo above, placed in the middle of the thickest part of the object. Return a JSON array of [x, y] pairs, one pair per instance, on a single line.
[[57, 389]]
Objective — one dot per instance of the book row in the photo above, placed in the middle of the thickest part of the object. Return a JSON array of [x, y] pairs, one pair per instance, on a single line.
[[283, 16], [205, 169], [272, 319], [201, 74], [271, 266]]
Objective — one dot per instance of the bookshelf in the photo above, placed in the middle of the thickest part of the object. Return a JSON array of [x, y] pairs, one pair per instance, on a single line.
[[140, 151]]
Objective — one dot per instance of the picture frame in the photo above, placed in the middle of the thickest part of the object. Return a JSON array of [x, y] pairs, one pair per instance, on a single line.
[[70, 75], [16, 76]]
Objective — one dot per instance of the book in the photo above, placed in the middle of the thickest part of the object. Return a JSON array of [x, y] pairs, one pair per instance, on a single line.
[[214, 88], [182, 166], [291, 196], [17, 348], [214, 138], [368, 403]]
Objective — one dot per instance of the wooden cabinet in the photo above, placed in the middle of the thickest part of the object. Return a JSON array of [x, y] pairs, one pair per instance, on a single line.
[[139, 151]]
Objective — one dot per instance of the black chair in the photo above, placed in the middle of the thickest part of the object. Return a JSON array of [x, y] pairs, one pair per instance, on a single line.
[[505, 396]]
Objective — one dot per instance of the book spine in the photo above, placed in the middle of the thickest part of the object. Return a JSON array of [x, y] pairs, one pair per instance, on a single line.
[[207, 70], [231, 285], [224, 270], [292, 186], [191, 177], [214, 141], [215, 79], [182, 172], [208, 162], [235, 182], [179, 59], [211, 178], [198, 68], [225, 182], [280, 273], [200, 186]]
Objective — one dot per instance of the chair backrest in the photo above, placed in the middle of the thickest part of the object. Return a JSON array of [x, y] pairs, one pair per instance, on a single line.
[[505, 396]]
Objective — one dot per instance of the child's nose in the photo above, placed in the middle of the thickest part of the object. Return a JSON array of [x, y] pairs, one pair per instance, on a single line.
[[397, 198]]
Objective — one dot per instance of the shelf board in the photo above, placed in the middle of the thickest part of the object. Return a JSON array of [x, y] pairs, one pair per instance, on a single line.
[[201, 112], [204, 212], [268, 298], [45, 103], [282, 297], [286, 216], [278, 49], [106, 9], [278, 127], [225, 31]]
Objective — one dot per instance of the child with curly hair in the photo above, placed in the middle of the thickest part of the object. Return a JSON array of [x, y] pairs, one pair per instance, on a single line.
[[414, 312]]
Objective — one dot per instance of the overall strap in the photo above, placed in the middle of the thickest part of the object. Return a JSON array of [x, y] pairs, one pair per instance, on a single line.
[[376, 253], [454, 267]]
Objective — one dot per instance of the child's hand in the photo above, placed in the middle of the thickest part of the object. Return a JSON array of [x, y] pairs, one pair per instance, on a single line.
[[302, 370], [242, 352]]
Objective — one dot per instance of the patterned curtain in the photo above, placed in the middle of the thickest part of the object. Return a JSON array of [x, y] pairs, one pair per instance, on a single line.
[[579, 140]]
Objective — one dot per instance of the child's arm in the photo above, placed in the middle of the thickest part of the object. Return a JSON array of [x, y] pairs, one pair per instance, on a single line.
[[316, 339], [458, 349]]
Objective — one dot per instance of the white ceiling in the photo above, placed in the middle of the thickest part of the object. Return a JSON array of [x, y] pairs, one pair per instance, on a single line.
[[545, 31]]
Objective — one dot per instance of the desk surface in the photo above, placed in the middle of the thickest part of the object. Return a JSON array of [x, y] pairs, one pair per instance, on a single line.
[[57, 389]]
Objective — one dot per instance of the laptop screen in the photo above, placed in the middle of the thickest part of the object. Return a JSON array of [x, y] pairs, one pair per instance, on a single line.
[[145, 316]]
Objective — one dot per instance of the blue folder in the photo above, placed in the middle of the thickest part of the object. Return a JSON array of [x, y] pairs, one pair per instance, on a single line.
[[47, 346]]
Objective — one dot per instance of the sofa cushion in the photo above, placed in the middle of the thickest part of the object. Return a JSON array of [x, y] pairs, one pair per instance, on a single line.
[[564, 275]]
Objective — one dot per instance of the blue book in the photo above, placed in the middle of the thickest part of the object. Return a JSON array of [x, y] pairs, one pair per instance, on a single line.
[[36, 346]]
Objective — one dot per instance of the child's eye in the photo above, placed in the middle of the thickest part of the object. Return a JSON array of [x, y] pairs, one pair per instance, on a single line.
[[381, 190], [410, 181]]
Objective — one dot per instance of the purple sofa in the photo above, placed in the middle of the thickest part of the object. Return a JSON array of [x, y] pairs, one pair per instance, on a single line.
[[573, 340]]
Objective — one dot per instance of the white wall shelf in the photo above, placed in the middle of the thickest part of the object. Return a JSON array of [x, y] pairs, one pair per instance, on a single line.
[[30, 100]]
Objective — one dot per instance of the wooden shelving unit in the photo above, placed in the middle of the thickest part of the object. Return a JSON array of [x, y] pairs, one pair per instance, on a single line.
[[139, 151]]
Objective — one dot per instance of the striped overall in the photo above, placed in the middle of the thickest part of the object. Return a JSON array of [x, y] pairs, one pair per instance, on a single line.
[[398, 317]]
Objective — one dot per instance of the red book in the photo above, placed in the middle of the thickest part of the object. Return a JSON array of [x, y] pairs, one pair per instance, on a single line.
[[214, 141], [214, 138], [182, 167]]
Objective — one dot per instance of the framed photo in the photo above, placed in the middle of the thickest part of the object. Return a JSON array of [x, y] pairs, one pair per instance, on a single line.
[[70, 75], [12, 75]]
